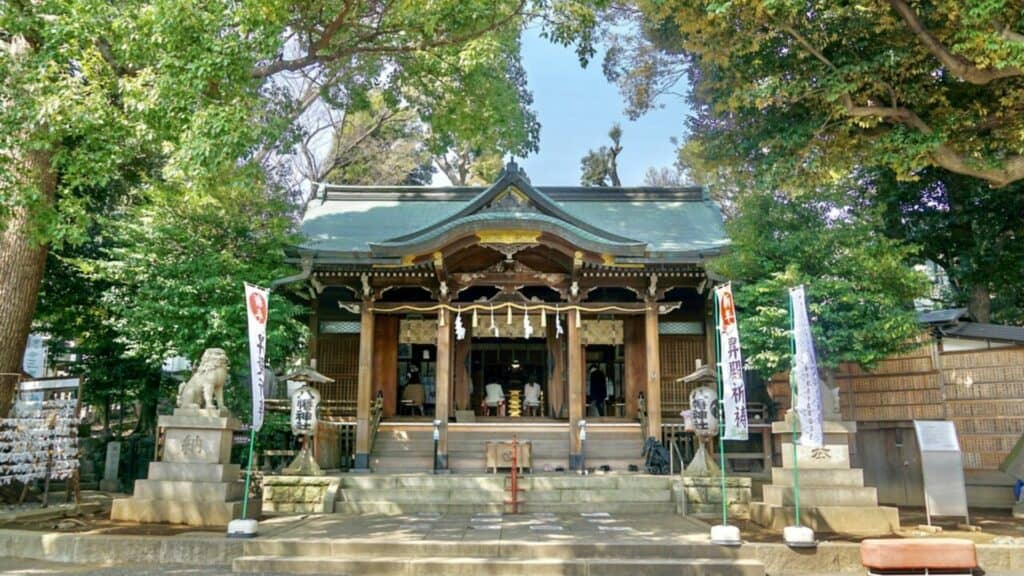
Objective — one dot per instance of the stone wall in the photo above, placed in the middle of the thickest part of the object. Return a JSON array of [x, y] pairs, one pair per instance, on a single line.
[[299, 494]]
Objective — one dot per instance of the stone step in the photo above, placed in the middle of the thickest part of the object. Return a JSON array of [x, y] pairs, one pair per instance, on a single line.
[[500, 481], [178, 512], [184, 490], [857, 520], [821, 496], [397, 508], [819, 477], [473, 566], [464, 496], [515, 549]]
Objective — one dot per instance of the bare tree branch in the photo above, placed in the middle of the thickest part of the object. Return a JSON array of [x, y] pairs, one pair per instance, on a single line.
[[958, 65]]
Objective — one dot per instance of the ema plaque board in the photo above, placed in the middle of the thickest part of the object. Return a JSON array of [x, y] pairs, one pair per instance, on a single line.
[[943, 469]]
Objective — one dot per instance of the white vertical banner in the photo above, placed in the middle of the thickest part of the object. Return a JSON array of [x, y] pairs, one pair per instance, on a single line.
[[258, 312], [805, 370], [734, 392]]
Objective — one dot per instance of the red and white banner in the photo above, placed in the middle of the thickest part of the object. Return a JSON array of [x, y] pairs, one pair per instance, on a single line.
[[258, 312], [730, 366]]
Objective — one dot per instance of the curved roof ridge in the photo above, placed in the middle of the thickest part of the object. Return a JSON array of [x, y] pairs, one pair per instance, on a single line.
[[512, 175]]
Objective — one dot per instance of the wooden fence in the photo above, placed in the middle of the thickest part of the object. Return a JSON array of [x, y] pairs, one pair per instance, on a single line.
[[982, 391]]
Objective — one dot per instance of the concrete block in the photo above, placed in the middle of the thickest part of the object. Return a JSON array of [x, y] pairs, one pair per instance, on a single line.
[[204, 514], [819, 477], [830, 456], [857, 520], [821, 495], [194, 471], [185, 490]]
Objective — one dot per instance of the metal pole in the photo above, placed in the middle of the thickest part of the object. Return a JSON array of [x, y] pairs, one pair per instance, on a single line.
[[248, 472], [792, 407], [721, 413], [437, 439]]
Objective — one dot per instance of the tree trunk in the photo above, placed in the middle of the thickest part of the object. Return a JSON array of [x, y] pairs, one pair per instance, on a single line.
[[22, 261], [980, 304]]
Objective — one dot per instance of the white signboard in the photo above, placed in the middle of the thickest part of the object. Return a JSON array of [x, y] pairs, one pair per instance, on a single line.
[[805, 370], [257, 312], [34, 362], [731, 367], [942, 468]]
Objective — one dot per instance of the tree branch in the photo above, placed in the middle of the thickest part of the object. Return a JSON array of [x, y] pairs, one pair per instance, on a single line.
[[958, 65], [314, 56]]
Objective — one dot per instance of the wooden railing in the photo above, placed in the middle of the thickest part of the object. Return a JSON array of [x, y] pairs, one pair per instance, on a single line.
[[641, 411], [376, 413]]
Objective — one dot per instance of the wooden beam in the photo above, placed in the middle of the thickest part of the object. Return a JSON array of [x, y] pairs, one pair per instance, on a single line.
[[554, 393], [635, 356], [364, 387]]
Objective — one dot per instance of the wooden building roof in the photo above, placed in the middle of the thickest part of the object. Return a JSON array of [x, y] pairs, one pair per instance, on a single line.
[[373, 225]]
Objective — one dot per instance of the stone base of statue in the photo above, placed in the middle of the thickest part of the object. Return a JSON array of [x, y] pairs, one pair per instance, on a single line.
[[194, 482], [701, 497], [833, 497]]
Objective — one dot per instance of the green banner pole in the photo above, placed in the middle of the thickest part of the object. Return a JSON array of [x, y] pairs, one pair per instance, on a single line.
[[792, 406], [721, 412], [248, 473]]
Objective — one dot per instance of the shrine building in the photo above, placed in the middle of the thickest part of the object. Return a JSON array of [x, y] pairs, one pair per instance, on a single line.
[[455, 304]]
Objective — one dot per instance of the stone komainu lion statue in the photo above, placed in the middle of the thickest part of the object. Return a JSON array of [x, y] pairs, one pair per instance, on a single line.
[[206, 383]]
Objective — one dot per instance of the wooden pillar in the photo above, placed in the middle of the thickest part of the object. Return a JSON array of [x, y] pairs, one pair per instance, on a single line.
[[462, 376], [653, 393], [385, 361], [443, 396], [364, 386], [554, 391], [635, 357], [577, 399]]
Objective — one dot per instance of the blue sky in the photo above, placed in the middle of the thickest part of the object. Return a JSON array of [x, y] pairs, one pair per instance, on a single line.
[[577, 106]]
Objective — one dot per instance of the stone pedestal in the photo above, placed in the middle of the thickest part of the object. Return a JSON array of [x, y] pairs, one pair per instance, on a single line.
[[1018, 510], [194, 483], [701, 496], [833, 497]]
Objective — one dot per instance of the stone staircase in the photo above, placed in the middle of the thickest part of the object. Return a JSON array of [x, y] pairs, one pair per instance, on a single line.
[[498, 558], [409, 446], [468, 493]]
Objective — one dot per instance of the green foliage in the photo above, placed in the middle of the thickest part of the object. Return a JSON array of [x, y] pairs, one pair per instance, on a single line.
[[973, 231], [859, 284], [806, 91], [600, 167]]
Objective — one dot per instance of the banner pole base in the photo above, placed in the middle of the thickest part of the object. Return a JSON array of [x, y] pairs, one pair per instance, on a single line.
[[799, 537], [725, 535], [243, 528]]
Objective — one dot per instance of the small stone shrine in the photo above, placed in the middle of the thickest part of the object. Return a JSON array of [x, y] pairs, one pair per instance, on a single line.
[[833, 497], [194, 481]]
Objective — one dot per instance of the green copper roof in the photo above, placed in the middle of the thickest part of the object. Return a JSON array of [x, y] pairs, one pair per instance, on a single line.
[[351, 222]]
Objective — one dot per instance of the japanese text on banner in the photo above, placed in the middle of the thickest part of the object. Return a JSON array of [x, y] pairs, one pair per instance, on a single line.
[[734, 393], [258, 312], [805, 370]]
